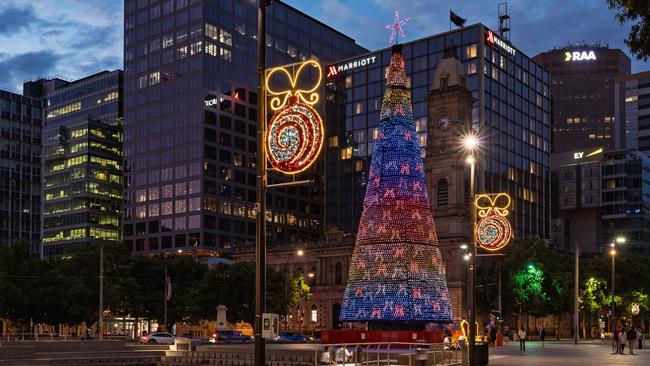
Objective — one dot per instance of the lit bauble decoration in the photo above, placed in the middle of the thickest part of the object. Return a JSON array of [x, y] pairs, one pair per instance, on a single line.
[[294, 137], [493, 232]]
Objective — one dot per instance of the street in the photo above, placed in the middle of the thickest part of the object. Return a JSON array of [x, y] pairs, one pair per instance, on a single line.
[[565, 353]]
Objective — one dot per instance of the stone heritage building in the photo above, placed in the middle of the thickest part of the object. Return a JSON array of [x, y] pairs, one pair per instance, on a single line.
[[450, 115], [324, 265]]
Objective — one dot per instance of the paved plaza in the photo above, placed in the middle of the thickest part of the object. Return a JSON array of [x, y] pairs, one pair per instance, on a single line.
[[565, 353]]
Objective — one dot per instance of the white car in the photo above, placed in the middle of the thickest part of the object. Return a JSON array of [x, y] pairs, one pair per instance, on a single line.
[[158, 337]]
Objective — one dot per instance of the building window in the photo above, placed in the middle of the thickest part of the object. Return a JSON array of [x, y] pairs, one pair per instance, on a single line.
[[142, 82], [167, 208], [195, 48], [181, 52], [225, 54], [180, 206], [442, 193], [348, 81], [210, 49], [338, 273], [154, 78], [211, 31], [358, 166], [334, 141], [346, 153], [141, 212], [470, 51], [471, 68], [168, 41], [314, 314], [225, 37], [154, 210]]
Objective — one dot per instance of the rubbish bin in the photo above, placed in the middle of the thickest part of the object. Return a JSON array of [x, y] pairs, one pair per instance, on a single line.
[[481, 353]]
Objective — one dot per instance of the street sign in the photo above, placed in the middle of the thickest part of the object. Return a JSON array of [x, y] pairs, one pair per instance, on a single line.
[[270, 325]]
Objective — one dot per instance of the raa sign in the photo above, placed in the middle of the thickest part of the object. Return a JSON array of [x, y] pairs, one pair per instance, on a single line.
[[579, 56]]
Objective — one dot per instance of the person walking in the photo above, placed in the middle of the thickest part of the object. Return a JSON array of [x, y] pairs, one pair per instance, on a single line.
[[622, 339], [639, 337], [542, 335], [631, 339], [615, 345], [522, 339]]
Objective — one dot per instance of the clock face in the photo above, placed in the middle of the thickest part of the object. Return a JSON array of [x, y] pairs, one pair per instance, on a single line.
[[443, 122]]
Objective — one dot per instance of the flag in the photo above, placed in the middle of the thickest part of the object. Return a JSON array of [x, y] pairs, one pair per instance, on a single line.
[[168, 288], [456, 19]]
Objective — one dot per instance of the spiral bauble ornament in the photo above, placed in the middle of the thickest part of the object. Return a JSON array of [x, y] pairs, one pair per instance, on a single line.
[[295, 137], [493, 232]]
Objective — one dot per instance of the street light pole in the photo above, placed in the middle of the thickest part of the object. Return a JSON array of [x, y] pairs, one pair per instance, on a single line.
[[101, 292], [576, 316], [260, 242], [613, 317], [472, 270]]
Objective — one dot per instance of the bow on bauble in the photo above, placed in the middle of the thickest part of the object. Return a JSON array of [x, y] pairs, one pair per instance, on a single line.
[[281, 97], [492, 207]]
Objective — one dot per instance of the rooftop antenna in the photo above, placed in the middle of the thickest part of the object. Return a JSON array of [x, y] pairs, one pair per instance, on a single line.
[[504, 21]]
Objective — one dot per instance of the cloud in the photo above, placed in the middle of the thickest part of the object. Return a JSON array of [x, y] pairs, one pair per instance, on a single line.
[[27, 66], [15, 19]]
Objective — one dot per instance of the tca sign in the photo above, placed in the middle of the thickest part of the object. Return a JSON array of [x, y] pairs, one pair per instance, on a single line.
[[579, 56]]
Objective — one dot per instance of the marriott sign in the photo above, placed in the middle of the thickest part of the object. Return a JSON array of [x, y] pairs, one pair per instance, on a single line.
[[334, 70]]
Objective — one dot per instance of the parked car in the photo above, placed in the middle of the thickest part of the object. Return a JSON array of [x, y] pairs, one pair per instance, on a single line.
[[227, 335], [158, 337], [292, 337]]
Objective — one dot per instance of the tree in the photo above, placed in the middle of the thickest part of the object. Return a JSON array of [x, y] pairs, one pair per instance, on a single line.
[[396, 273], [638, 11]]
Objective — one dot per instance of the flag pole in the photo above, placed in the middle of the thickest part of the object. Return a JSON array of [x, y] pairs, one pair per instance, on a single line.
[[165, 296]]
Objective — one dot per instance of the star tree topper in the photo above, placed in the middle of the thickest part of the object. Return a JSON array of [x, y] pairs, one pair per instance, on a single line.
[[396, 28]]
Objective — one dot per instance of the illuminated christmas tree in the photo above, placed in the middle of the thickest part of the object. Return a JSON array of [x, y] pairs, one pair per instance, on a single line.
[[396, 274]]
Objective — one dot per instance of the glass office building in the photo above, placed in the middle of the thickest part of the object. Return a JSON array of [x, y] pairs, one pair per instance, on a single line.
[[582, 86], [82, 161], [20, 169], [190, 123], [511, 111]]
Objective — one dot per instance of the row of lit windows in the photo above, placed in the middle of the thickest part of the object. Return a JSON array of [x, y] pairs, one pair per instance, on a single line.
[[64, 110], [168, 191], [111, 96], [168, 207], [74, 234]]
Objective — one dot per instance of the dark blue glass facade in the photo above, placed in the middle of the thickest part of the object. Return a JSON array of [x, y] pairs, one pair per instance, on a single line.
[[190, 123], [20, 169]]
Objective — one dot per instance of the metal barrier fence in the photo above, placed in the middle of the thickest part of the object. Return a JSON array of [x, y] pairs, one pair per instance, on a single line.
[[386, 353]]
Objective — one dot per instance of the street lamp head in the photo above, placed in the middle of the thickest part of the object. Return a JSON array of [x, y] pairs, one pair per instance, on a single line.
[[311, 275], [466, 257], [591, 279], [463, 247], [612, 245], [300, 252], [620, 240], [612, 252], [470, 159], [180, 251], [470, 142]]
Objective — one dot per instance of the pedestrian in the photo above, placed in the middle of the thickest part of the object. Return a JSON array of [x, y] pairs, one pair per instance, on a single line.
[[615, 344], [631, 339], [542, 335], [639, 336], [522, 339], [493, 336], [622, 338]]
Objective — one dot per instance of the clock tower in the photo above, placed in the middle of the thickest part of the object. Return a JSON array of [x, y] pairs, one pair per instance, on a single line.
[[447, 174]]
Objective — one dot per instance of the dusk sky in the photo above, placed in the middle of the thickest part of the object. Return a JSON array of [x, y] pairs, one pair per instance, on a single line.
[[71, 39]]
